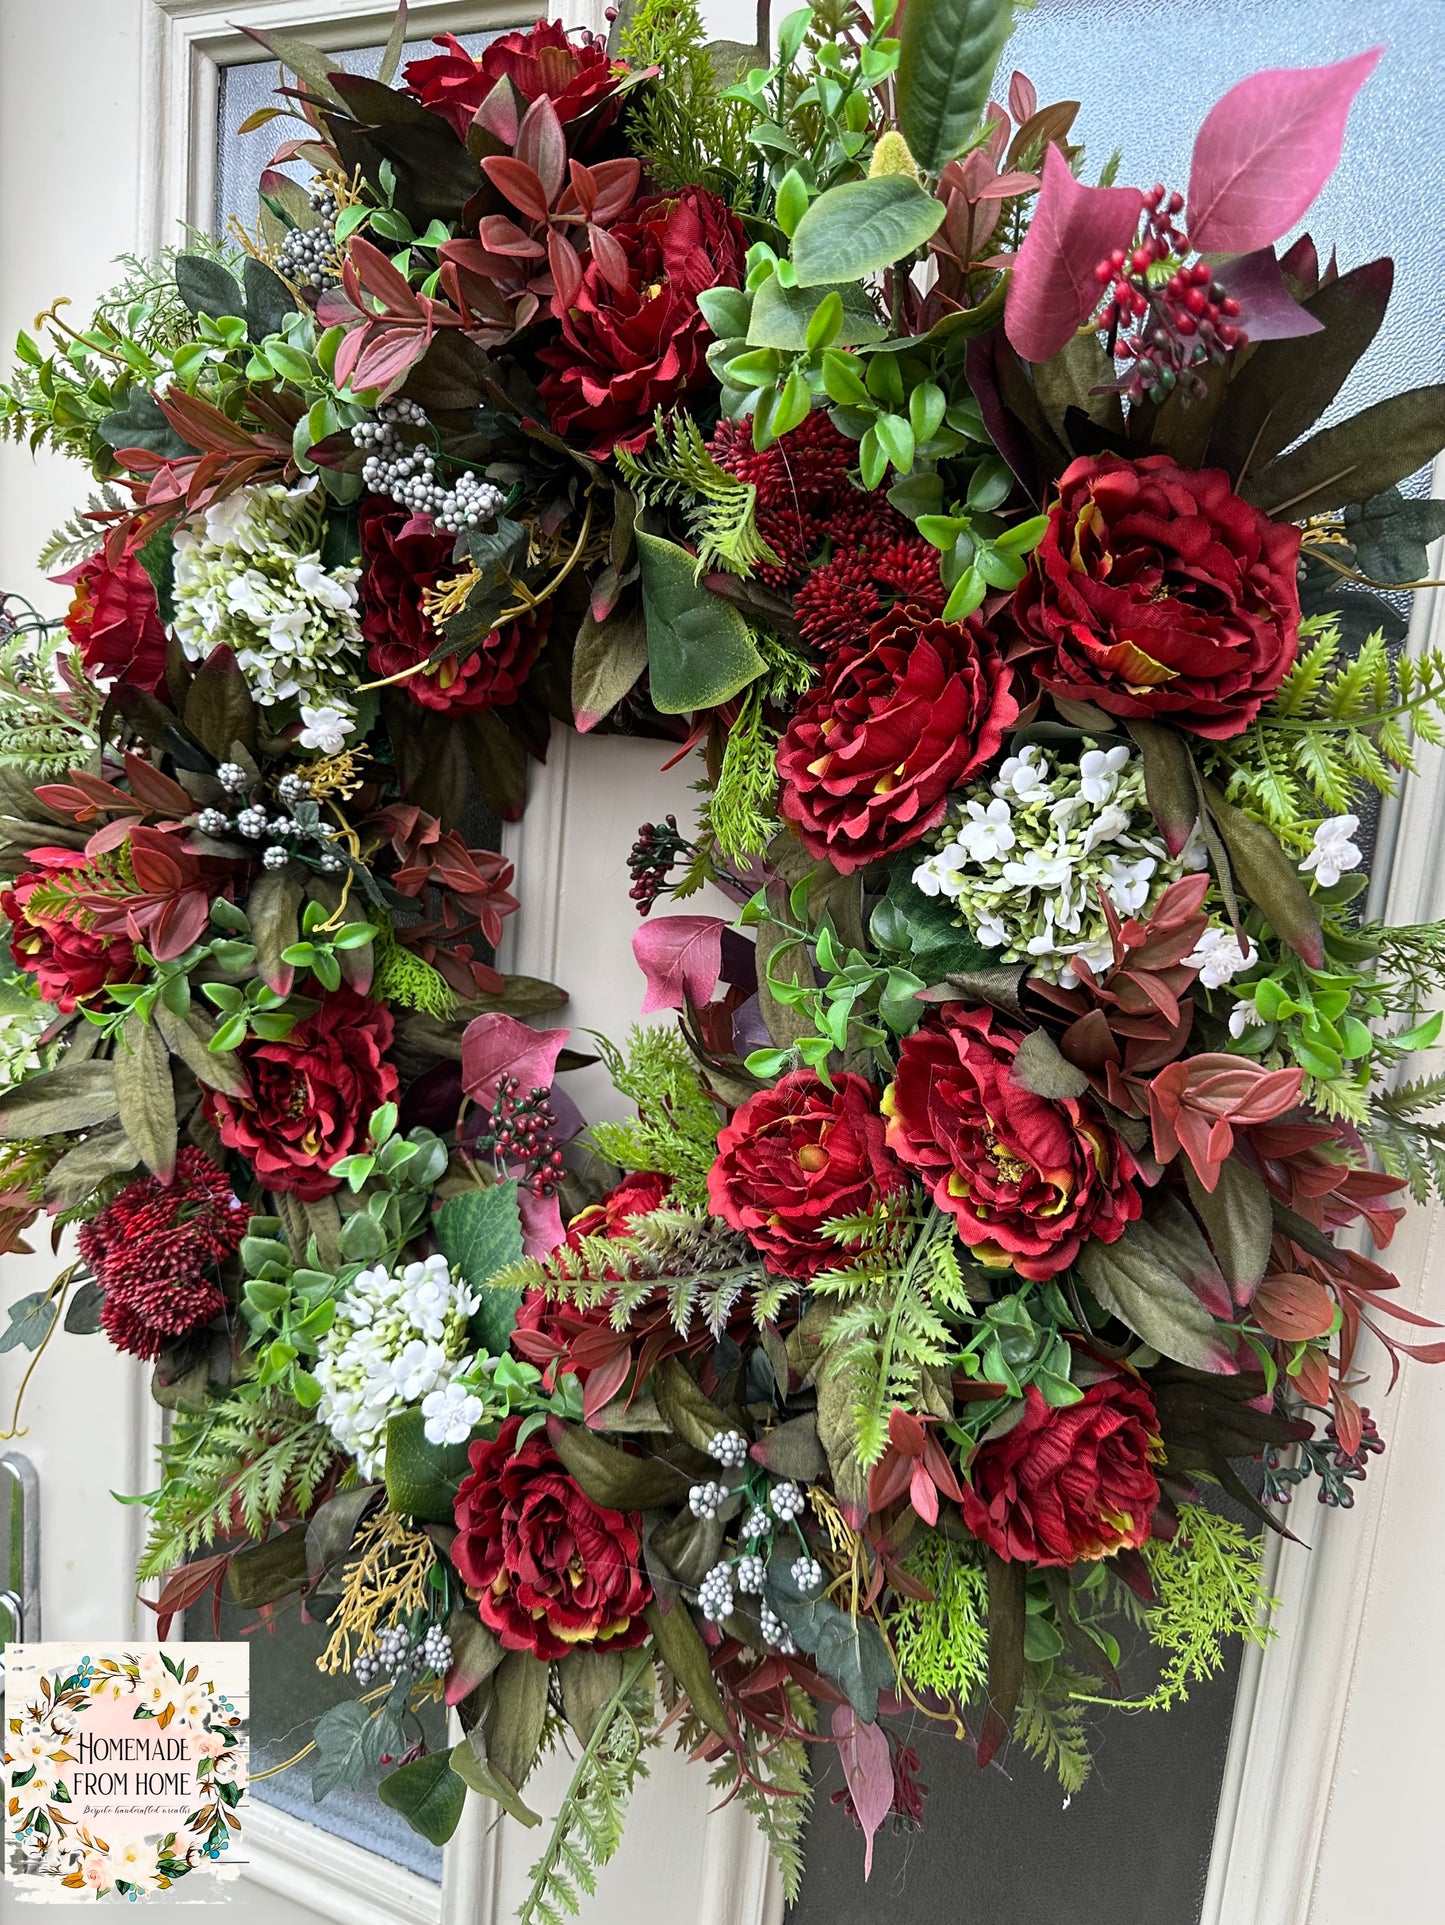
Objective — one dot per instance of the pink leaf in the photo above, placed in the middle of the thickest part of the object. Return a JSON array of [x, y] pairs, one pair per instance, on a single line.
[[1053, 287], [541, 1221], [1267, 309], [496, 1045], [1023, 98], [1267, 149], [542, 145], [681, 957], [868, 1768]]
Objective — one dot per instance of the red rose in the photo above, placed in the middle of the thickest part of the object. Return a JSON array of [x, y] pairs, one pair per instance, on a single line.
[[48, 933], [402, 557], [873, 750], [1028, 1178], [1071, 1483], [115, 622], [576, 75], [1158, 592], [633, 338], [311, 1095], [795, 1155], [156, 1252], [549, 1569]]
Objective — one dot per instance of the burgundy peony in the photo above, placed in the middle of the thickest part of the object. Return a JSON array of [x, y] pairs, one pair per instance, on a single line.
[[872, 751], [402, 558], [574, 73], [49, 934], [1158, 592], [1072, 1483], [549, 1569], [114, 620], [156, 1252], [1029, 1179], [633, 339], [793, 1157], [311, 1095]]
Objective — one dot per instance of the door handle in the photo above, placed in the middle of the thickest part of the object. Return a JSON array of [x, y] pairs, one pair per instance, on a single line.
[[19, 1551]]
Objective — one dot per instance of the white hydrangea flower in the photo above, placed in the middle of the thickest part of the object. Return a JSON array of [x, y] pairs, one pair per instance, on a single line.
[[451, 1414], [1335, 850], [1026, 855], [397, 1341], [1243, 1016], [325, 728], [249, 574], [1218, 957]]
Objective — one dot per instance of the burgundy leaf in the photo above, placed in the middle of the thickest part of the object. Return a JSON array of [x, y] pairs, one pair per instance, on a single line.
[[543, 146], [681, 957], [566, 268], [1023, 98], [1267, 309], [868, 1769], [519, 182], [616, 183], [1053, 287], [496, 1045], [1267, 149]]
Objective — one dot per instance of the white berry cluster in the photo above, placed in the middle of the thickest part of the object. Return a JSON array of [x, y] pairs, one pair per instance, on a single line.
[[787, 1502], [249, 574], [1024, 856], [703, 1499], [715, 1594], [775, 1632], [397, 1340], [307, 256], [408, 472], [730, 1449], [435, 1651], [807, 1573], [752, 1575]]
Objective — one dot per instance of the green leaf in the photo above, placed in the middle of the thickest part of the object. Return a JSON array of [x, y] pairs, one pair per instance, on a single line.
[[74, 1097], [680, 1646], [261, 1573], [208, 288], [421, 1478], [924, 928], [895, 437], [699, 649], [849, 1650], [790, 201], [613, 1478], [139, 423], [1359, 458], [783, 316], [146, 1094], [190, 1038], [480, 1233], [484, 1778], [1267, 876], [1041, 1068], [607, 659], [275, 906], [1240, 1223], [589, 1680], [268, 302], [861, 227], [947, 53], [82, 1313], [349, 1743], [687, 1411], [30, 1317], [1138, 1280], [428, 1794], [517, 1715], [1169, 782]]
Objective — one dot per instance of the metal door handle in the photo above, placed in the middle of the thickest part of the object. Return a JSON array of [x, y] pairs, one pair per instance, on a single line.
[[19, 1551]]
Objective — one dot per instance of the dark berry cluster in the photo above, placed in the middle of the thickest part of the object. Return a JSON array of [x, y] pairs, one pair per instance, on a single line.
[[1169, 319], [522, 1130], [659, 846]]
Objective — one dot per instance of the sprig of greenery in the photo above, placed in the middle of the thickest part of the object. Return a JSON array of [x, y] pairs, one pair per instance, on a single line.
[[676, 1127], [677, 470], [1407, 1143], [683, 127], [1050, 1722], [48, 707], [776, 1788], [941, 1643]]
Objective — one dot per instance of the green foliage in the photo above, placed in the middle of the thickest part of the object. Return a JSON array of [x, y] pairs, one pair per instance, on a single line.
[[233, 1467], [941, 1644], [898, 1298], [776, 1787], [48, 708], [740, 812], [676, 1127], [701, 1267], [589, 1826], [1211, 1587], [676, 470], [1050, 1722], [407, 980], [1336, 727], [683, 127], [1407, 1143]]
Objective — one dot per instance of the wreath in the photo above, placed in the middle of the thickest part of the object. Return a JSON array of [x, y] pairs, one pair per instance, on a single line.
[[970, 524], [46, 1838]]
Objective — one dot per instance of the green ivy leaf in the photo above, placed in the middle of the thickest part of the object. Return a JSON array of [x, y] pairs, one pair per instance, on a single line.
[[699, 649], [428, 1794]]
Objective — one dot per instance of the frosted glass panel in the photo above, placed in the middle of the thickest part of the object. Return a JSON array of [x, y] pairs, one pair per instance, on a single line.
[[1147, 71]]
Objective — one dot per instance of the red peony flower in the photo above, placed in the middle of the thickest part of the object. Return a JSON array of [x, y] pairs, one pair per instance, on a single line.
[[402, 557], [114, 620], [796, 1155], [633, 339], [156, 1252], [311, 1095], [873, 750], [1029, 1179], [549, 1569], [1158, 592], [638, 1194], [1069, 1484], [575, 74], [839, 602], [50, 933]]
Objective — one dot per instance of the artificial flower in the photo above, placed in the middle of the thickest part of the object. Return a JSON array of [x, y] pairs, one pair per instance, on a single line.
[[1335, 850], [1027, 1178], [573, 71], [49, 934], [1158, 593], [551, 1572], [873, 749], [311, 1093], [795, 1156], [1064, 1485], [114, 620]]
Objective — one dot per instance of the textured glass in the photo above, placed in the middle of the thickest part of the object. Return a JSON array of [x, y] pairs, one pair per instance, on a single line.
[[240, 157]]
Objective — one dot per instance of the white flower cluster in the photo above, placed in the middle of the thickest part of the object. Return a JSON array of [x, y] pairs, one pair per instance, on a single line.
[[1024, 857], [397, 1340], [21, 1027], [249, 573]]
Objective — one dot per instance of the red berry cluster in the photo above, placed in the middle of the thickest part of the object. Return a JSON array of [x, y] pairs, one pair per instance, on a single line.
[[1169, 328], [522, 1132], [658, 847]]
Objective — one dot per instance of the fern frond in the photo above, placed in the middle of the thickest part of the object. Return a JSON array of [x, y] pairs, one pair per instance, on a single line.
[[676, 1128], [941, 1643], [677, 471], [79, 538], [777, 1791], [1210, 1585], [1050, 1723]]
